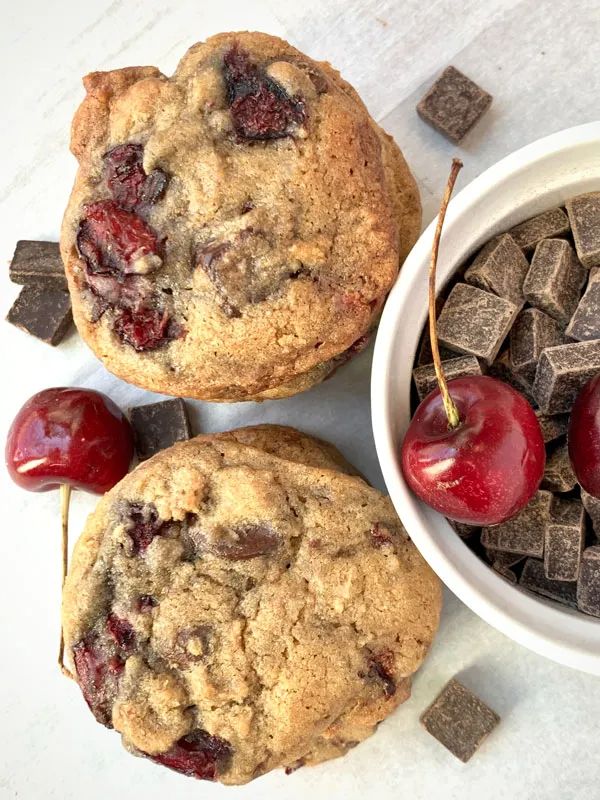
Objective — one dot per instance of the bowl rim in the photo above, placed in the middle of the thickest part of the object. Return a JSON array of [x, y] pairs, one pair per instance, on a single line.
[[568, 637]]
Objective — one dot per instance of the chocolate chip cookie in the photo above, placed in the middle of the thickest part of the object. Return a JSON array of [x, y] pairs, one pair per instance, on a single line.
[[240, 603], [234, 229]]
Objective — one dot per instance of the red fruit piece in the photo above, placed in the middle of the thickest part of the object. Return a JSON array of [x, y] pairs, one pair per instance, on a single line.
[[115, 241], [584, 437], [145, 603], [260, 107], [122, 632], [74, 436], [129, 184], [144, 328], [197, 755], [486, 469], [143, 525], [98, 676]]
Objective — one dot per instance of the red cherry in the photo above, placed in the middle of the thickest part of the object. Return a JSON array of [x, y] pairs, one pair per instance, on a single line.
[[76, 437], [486, 469], [584, 437]]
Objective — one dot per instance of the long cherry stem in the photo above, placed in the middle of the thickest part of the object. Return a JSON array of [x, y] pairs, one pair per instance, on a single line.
[[65, 498], [449, 404]]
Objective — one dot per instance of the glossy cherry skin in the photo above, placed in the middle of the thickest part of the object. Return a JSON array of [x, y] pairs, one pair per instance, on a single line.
[[73, 436], [488, 468], [584, 437]]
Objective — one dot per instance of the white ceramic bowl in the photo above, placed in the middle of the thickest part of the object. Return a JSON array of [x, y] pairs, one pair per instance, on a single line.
[[531, 180]]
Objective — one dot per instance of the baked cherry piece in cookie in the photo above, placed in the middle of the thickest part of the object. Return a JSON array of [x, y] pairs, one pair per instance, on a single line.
[[243, 602], [235, 228]]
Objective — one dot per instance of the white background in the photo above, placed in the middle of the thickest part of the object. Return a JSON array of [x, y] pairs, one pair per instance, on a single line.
[[540, 61]]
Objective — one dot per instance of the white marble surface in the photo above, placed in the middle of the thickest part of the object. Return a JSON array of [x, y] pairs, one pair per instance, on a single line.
[[540, 62]]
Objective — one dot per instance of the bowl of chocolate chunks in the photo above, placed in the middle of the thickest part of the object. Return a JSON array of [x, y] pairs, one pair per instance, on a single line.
[[518, 304]]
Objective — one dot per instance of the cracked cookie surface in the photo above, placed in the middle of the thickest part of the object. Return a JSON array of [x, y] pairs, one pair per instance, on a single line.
[[240, 602], [233, 229]]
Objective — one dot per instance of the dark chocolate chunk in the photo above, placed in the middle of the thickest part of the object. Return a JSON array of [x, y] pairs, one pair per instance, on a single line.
[[554, 280], [243, 542], [592, 507], [500, 268], [584, 215], [159, 425], [545, 226], [531, 333], [558, 474], [43, 313], [533, 578], [585, 322], [562, 371], [38, 264], [553, 427], [453, 104], [502, 369], [524, 533], [588, 585], [568, 511], [463, 530], [475, 322], [563, 546], [459, 720], [425, 378]]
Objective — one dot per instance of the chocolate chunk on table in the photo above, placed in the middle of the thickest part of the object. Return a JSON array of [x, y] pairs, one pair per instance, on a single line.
[[588, 585], [503, 370], [555, 278], [45, 314], [585, 322], [454, 104], [425, 378], [475, 322], [500, 268], [524, 533], [38, 264], [459, 720], [564, 540], [561, 373], [159, 425], [531, 333], [584, 215], [545, 226], [534, 579], [592, 507], [558, 474], [553, 427]]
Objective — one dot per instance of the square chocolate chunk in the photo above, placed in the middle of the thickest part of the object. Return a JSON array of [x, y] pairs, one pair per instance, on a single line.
[[503, 370], [534, 579], [159, 425], [554, 280], [584, 214], [524, 533], [38, 264], [558, 474], [532, 332], [553, 427], [500, 268], [562, 551], [588, 585], [425, 378], [453, 104], [585, 322], [562, 371], [459, 720], [592, 507], [45, 314], [475, 322], [545, 226]]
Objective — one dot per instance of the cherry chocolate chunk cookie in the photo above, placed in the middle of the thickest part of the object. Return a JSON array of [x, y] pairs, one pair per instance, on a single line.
[[241, 602], [234, 229]]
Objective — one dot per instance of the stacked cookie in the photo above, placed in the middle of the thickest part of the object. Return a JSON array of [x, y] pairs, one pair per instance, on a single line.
[[234, 229], [244, 601]]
